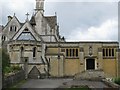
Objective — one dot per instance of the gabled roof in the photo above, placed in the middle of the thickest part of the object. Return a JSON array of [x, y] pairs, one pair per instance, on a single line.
[[31, 30], [32, 21], [14, 17], [52, 20], [0, 29]]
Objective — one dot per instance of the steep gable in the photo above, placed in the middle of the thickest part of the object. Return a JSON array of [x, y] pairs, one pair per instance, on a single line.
[[26, 33], [11, 28]]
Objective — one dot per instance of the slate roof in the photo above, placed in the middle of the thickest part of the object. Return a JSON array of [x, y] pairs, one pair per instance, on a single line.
[[52, 20], [0, 29], [32, 20]]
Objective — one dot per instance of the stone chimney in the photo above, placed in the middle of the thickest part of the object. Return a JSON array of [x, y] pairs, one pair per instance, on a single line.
[[9, 18], [40, 6]]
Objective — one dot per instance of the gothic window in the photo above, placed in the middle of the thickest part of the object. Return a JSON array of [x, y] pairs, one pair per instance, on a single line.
[[13, 28], [26, 36], [34, 52], [3, 38], [21, 51]]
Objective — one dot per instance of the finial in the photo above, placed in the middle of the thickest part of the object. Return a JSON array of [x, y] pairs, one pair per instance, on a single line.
[[14, 14], [55, 13], [27, 16]]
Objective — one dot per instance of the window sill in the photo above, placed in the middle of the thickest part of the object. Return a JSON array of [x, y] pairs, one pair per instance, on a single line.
[[72, 58], [109, 57]]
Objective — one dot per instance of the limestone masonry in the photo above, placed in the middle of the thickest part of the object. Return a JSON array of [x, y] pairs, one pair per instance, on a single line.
[[37, 46]]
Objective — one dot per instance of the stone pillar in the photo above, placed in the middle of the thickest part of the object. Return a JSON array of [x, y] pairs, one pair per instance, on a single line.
[[82, 61], [100, 59]]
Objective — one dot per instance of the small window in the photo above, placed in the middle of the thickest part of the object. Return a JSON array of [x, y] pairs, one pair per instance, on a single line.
[[34, 52], [103, 52], [76, 52], [112, 52], [106, 52], [3, 38], [66, 52], [21, 51], [13, 28], [109, 52]]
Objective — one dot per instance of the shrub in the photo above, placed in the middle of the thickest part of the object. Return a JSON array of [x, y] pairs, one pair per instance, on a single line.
[[117, 80], [16, 68]]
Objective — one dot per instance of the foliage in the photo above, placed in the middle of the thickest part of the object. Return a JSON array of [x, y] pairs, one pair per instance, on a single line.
[[6, 63], [117, 80], [12, 69], [5, 59]]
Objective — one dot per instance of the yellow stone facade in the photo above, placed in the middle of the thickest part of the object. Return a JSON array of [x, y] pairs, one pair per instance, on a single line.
[[70, 66]]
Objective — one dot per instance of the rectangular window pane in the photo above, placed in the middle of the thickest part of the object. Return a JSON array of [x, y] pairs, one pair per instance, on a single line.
[[73, 52], [109, 52], [103, 52], [106, 52], [66, 52], [112, 52], [76, 52], [70, 52]]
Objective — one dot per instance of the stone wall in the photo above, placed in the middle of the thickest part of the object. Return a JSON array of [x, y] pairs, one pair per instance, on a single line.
[[13, 79]]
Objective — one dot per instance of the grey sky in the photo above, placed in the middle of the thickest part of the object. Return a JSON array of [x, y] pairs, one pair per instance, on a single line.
[[88, 20]]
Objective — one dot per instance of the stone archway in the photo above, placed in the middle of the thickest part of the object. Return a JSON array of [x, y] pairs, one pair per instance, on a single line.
[[34, 73]]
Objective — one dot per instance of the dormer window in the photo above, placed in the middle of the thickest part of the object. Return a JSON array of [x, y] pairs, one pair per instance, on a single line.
[[13, 28]]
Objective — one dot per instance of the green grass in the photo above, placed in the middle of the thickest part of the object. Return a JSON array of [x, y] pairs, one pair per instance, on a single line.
[[117, 80]]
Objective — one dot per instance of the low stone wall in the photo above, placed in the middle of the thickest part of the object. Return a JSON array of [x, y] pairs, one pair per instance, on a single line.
[[111, 84], [13, 79]]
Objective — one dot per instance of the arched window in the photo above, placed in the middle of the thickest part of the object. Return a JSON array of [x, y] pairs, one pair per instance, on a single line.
[[21, 51], [13, 28], [34, 52], [3, 38]]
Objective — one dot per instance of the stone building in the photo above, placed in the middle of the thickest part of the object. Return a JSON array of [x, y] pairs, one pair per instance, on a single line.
[[37, 46]]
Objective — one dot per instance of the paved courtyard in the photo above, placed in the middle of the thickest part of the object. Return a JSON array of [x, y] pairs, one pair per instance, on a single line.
[[55, 83]]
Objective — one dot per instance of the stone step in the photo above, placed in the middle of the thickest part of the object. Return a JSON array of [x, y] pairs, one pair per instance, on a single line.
[[90, 74]]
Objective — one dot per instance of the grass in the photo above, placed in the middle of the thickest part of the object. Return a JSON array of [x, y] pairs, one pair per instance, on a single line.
[[117, 80]]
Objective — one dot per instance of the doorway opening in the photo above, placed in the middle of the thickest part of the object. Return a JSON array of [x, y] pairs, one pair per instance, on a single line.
[[90, 64]]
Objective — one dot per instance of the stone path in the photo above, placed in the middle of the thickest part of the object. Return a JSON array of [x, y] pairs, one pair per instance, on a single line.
[[56, 83], [44, 83], [90, 84]]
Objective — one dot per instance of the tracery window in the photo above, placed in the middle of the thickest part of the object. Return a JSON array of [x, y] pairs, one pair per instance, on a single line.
[[26, 36]]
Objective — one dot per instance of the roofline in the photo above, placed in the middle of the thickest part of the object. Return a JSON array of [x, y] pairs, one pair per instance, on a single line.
[[111, 42]]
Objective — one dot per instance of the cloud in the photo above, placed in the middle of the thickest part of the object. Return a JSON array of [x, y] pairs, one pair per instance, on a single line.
[[107, 31]]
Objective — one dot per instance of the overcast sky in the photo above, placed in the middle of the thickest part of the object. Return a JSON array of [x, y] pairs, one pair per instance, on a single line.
[[79, 20]]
